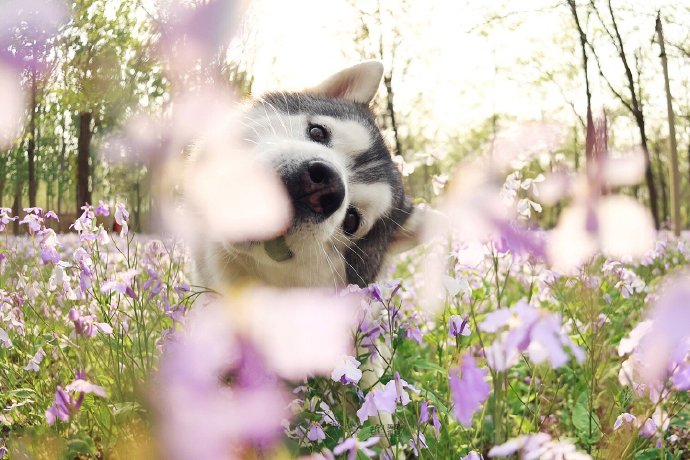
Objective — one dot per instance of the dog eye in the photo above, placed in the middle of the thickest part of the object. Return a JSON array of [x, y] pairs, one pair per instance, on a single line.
[[318, 134], [351, 222]]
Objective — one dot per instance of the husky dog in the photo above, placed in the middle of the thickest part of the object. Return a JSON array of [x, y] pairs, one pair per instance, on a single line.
[[349, 205]]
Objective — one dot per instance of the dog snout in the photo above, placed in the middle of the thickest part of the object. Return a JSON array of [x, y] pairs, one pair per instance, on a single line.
[[316, 190]]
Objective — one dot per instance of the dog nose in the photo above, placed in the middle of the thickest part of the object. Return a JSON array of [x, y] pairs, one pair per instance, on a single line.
[[316, 189]]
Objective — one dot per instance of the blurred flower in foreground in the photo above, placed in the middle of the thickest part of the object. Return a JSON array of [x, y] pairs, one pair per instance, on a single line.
[[26, 29], [659, 345], [595, 220], [199, 162], [220, 375], [195, 32], [468, 388]]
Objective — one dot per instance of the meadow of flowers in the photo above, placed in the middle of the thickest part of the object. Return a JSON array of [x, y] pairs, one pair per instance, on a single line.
[[106, 350], [491, 339]]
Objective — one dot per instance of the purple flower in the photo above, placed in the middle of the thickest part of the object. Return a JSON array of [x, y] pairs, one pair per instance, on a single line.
[[354, 445], [33, 221], [33, 365], [5, 339], [539, 445], [417, 443], [315, 432], [472, 455], [458, 326], [102, 209], [121, 218], [626, 418], [65, 404], [468, 388], [427, 413], [681, 377], [665, 344], [648, 429], [122, 283], [5, 218], [385, 399], [194, 403], [61, 408], [86, 325], [529, 329], [414, 333], [347, 372]]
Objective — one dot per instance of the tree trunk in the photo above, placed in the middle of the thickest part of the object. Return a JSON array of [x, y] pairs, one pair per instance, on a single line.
[[585, 67], [17, 205], [648, 175], [673, 147], [61, 169], [662, 182], [83, 157], [3, 176], [31, 149]]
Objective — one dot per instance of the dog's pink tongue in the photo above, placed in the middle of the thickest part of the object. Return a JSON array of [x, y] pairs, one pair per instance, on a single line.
[[278, 250]]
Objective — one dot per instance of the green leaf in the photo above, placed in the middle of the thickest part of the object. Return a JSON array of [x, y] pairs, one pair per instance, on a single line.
[[77, 446], [587, 425], [22, 393], [421, 364]]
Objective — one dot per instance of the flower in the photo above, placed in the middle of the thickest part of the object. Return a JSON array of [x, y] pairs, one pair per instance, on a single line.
[[472, 455], [122, 283], [33, 365], [5, 339], [347, 372], [121, 217], [102, 209], [5, 214], [536, 331], [65, 404], [626, 418], [385, 399], [538, 446], [299, 332], [192, 400], [87, 325], [315, 432], [353, 445], [667, 342], [458, 326], [468, 388], [417, 443]]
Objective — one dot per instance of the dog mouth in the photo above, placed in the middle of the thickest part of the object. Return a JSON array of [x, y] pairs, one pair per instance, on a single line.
[[278, 250]]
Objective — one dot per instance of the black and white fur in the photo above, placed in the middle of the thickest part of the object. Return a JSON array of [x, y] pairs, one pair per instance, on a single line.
[[355, 165]]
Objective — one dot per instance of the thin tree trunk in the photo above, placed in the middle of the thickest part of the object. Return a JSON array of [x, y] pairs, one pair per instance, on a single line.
[[17, 205], [83, 157], [3, 176], [61, 170], [137, 213], [585, 70], [31, 149], [662, 182], [673, 147]]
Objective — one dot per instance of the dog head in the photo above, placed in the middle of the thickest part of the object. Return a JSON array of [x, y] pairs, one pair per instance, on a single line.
[[349, 205]]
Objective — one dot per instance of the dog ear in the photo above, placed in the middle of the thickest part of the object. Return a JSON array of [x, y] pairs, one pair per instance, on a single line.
[[358, 83], [411, 233]]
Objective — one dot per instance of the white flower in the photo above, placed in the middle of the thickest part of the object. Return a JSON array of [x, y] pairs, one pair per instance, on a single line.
[[347, 371]]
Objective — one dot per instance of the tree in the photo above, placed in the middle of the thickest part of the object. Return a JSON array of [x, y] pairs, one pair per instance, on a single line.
[[632, 103]]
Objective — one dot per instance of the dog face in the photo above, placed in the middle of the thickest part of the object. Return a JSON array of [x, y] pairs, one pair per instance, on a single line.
[[348, 200]]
